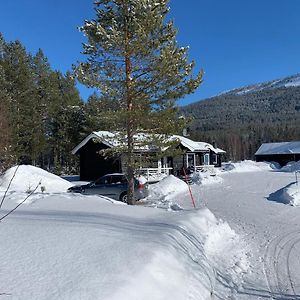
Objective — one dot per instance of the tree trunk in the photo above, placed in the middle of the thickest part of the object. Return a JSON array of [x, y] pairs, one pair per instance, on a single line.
[[130, 124]]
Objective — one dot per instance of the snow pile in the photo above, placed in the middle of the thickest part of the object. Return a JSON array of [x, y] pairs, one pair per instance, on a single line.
[[28, 177], [165, 193], [167, 188], [117, 252], [184, 265], [292, 194], [223, 248], [292, 166], [248, 166], [206, 178]]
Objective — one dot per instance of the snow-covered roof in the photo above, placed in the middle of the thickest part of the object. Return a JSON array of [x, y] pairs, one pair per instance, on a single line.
[[105, 137], [196, 146], [111, 140], [279, 148]]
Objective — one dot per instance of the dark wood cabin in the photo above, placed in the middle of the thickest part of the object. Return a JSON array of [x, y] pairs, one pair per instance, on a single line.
[[196, 155], [281, 153]]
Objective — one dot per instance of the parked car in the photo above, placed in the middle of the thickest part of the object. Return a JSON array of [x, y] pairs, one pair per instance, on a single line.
[[112, 185]]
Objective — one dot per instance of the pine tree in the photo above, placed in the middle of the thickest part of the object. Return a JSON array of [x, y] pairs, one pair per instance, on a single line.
[[19, 75], [6, 155], [134, 59]]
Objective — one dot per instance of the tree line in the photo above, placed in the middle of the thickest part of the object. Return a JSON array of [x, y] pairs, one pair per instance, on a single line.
[[42, 117], [240, 123]]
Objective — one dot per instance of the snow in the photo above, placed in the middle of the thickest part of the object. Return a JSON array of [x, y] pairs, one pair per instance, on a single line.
[[291, 167], [291, 81], [28, 177], [292, 194], [113, 140], [270, 229], [289, 194], [163, 193], [236, 245], [71, 246], [247, 166], [206, 178]]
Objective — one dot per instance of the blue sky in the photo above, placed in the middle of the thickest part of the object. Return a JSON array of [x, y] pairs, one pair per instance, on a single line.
[[235, 42]]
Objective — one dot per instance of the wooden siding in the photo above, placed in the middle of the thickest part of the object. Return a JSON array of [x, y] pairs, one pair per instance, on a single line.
[[282, 159], [93, 165]]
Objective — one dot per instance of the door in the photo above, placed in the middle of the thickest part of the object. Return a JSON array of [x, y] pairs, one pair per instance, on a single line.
[[99, 187], [206, 159]]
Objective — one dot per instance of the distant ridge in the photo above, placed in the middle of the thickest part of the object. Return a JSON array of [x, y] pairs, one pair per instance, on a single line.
[[290, 81], [241, 119]]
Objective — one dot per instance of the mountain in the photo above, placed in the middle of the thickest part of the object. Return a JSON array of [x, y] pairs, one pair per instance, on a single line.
[[241, 119]]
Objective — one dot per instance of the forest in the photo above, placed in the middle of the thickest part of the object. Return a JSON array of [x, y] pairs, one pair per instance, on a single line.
[[42, 117], [241, 120]]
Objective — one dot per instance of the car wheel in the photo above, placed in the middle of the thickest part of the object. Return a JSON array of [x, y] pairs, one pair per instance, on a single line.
[[123, 197]]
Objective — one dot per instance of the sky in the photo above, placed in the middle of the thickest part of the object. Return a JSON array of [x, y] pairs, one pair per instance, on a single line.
[[235, 42]]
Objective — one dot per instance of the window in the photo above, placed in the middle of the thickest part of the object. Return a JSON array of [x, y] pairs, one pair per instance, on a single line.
[[103, 180], [118, 179], [215, 159], [190, 160]]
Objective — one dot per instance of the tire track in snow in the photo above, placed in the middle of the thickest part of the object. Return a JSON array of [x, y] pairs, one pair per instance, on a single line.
[[288, 265], [277, 266]]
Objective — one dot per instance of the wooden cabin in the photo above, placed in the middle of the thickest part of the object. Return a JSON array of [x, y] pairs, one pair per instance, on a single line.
[[196, 155], [281, 153]]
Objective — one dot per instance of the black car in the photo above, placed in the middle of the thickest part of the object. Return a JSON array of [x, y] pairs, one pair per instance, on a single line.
[[113, 186]]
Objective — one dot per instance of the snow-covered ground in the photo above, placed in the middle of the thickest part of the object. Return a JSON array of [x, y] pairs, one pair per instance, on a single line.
[[238, 244]]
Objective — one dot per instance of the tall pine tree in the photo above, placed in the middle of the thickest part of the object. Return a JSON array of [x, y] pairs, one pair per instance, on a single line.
[[134, 59]]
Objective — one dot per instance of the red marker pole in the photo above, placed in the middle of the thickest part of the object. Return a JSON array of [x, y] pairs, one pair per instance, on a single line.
[[186, 179]]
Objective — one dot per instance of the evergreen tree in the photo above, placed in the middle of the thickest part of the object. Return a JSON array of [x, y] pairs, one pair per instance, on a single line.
[[41, 75], [18, 73], [134, 59], [6, 153], [66, 119]]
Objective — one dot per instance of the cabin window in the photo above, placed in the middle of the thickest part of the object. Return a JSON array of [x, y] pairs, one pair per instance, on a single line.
[[190, 161], [215, 159]]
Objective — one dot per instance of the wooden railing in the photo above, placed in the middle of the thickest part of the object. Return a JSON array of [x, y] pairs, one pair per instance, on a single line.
[[150, 173]]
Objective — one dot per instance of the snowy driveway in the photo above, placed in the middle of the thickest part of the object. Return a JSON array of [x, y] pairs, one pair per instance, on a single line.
[[271, 228]]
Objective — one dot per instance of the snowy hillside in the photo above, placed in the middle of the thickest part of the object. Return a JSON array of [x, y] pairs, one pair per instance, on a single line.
[[291, 81]]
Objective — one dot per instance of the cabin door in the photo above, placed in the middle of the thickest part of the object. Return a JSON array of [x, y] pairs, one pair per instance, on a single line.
[[206, 159]]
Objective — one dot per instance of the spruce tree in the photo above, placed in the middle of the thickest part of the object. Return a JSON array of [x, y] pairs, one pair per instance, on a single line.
[[134, 60], [6, 154]]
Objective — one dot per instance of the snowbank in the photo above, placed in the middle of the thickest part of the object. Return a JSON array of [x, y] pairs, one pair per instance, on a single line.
[[184, 265], [27, 178], [167, 188], [292, 194], [292, 166], [248, 166], [164, 194], [287, 195], [206, 178], [224, 249], [116, 252]]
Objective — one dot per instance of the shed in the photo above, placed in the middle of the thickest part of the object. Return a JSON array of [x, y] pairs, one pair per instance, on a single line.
[[281, 153]]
